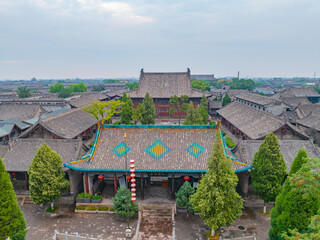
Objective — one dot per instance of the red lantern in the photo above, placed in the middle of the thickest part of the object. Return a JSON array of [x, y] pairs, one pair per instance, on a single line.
[[132, 175], [13, 175], [186, 178], [131, 161], [133, 180], [133, 190], [133, 185], [100, 177], [133, 199], [128, 178], [132, 170], [132, 166], [133, 194]]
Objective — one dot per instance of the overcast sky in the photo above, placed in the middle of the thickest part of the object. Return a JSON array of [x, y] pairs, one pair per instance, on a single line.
[[98, 38]]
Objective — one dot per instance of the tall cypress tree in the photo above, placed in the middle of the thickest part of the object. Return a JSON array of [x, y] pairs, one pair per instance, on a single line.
[[269, 169], [47, 178], [216, 198], [226, 100], [183, 196], [12, 222], [203, 109], [190, 115], [127, 109], [149, 110], [298, 160]]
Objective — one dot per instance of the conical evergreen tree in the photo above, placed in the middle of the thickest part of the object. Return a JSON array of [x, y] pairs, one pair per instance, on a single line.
[[216, 198], [183, 196], [120, 203], [190, 114], [127, 109], [47, 178], [226, 100], [12, 222], [203, 109], [269, 169], [298, 161], [149, 113]]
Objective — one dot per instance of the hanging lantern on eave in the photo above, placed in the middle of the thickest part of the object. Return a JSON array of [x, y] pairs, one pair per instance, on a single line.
[[13, 175], [100, 177], [186, 178]]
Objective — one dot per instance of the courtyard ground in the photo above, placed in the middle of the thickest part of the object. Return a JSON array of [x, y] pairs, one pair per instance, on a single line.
[[41, 225]]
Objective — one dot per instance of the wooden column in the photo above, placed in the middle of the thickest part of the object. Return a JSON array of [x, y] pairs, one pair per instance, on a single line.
[[85, 183], [142, 187], [172, 187], [115, 183]]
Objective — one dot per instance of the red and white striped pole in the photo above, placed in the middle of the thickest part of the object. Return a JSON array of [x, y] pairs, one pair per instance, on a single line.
[[133, 181]]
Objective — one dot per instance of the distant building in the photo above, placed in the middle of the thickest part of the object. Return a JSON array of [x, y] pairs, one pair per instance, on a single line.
[[161, 86], [209, 77], [298, 94]]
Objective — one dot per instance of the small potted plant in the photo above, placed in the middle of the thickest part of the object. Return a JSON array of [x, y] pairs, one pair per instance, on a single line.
[[80, 209], [91, 209], [103, 209], [83, 198], [96, 199]]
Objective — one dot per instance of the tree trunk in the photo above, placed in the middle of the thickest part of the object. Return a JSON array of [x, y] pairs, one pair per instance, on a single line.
[[264, 207], [212, 232], [52, 206], [187, 213]]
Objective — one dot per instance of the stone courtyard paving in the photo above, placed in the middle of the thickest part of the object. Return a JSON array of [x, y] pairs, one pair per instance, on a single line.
[[41, 225]]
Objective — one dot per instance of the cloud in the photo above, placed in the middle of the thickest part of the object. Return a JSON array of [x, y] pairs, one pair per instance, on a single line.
[[9, 61], [118, 10]]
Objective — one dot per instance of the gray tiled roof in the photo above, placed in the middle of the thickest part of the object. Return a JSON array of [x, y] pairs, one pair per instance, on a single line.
[[310, 122], [252, 122], [165, 85], [256, 98], [67, 124], [20, 156], [289, 148], [19, 111], [86, 100], [6, 126], [138, 140]]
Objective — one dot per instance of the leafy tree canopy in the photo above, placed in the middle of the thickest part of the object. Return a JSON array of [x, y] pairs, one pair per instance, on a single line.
[[226, 100], [56, 88], [65, 93], [98, 88], [298, 161], [12, 222], [81, 87], [132, 86], [111, 81], [201, 85], [23, 92], [243, 84], [127, 109], [148, 116]]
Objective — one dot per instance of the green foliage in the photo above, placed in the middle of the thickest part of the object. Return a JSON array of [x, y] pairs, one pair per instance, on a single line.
[[103, 111], [47, 178], [111, 81], [148, 115], [127, 109], [96, 197], [91, 208], [50, 210], [65, 93], [226, 100], [223, 133], [80, 207], [56, 88], [269, 169], [216, 198], [117, 123], [98, 88], [229, 142], [201, 85], [212, 122], [120, 203], [298, 161], [81, 87], [103, 208], [183, 196], [12, 222], [80, 195], [23, 92], [203, 109], [243, 84], [111, 209], [298, 201], [132, 86], [87, 195], [178, 105], [137, 113]]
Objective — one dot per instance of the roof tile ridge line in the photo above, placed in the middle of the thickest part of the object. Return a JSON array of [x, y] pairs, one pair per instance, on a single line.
[[78, 150], [61, 114], [150, 73], [95, 145]]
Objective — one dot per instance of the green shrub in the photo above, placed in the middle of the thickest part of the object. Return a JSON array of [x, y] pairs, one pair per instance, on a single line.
[[87, 195], [111, 209], [91, 208], [212, 123], [117, 123], [131, 123], [55, 209], [91, 144], [223, 133], [96, 197], [80, 195], [230, 143], [103, 208], [80, 207]]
